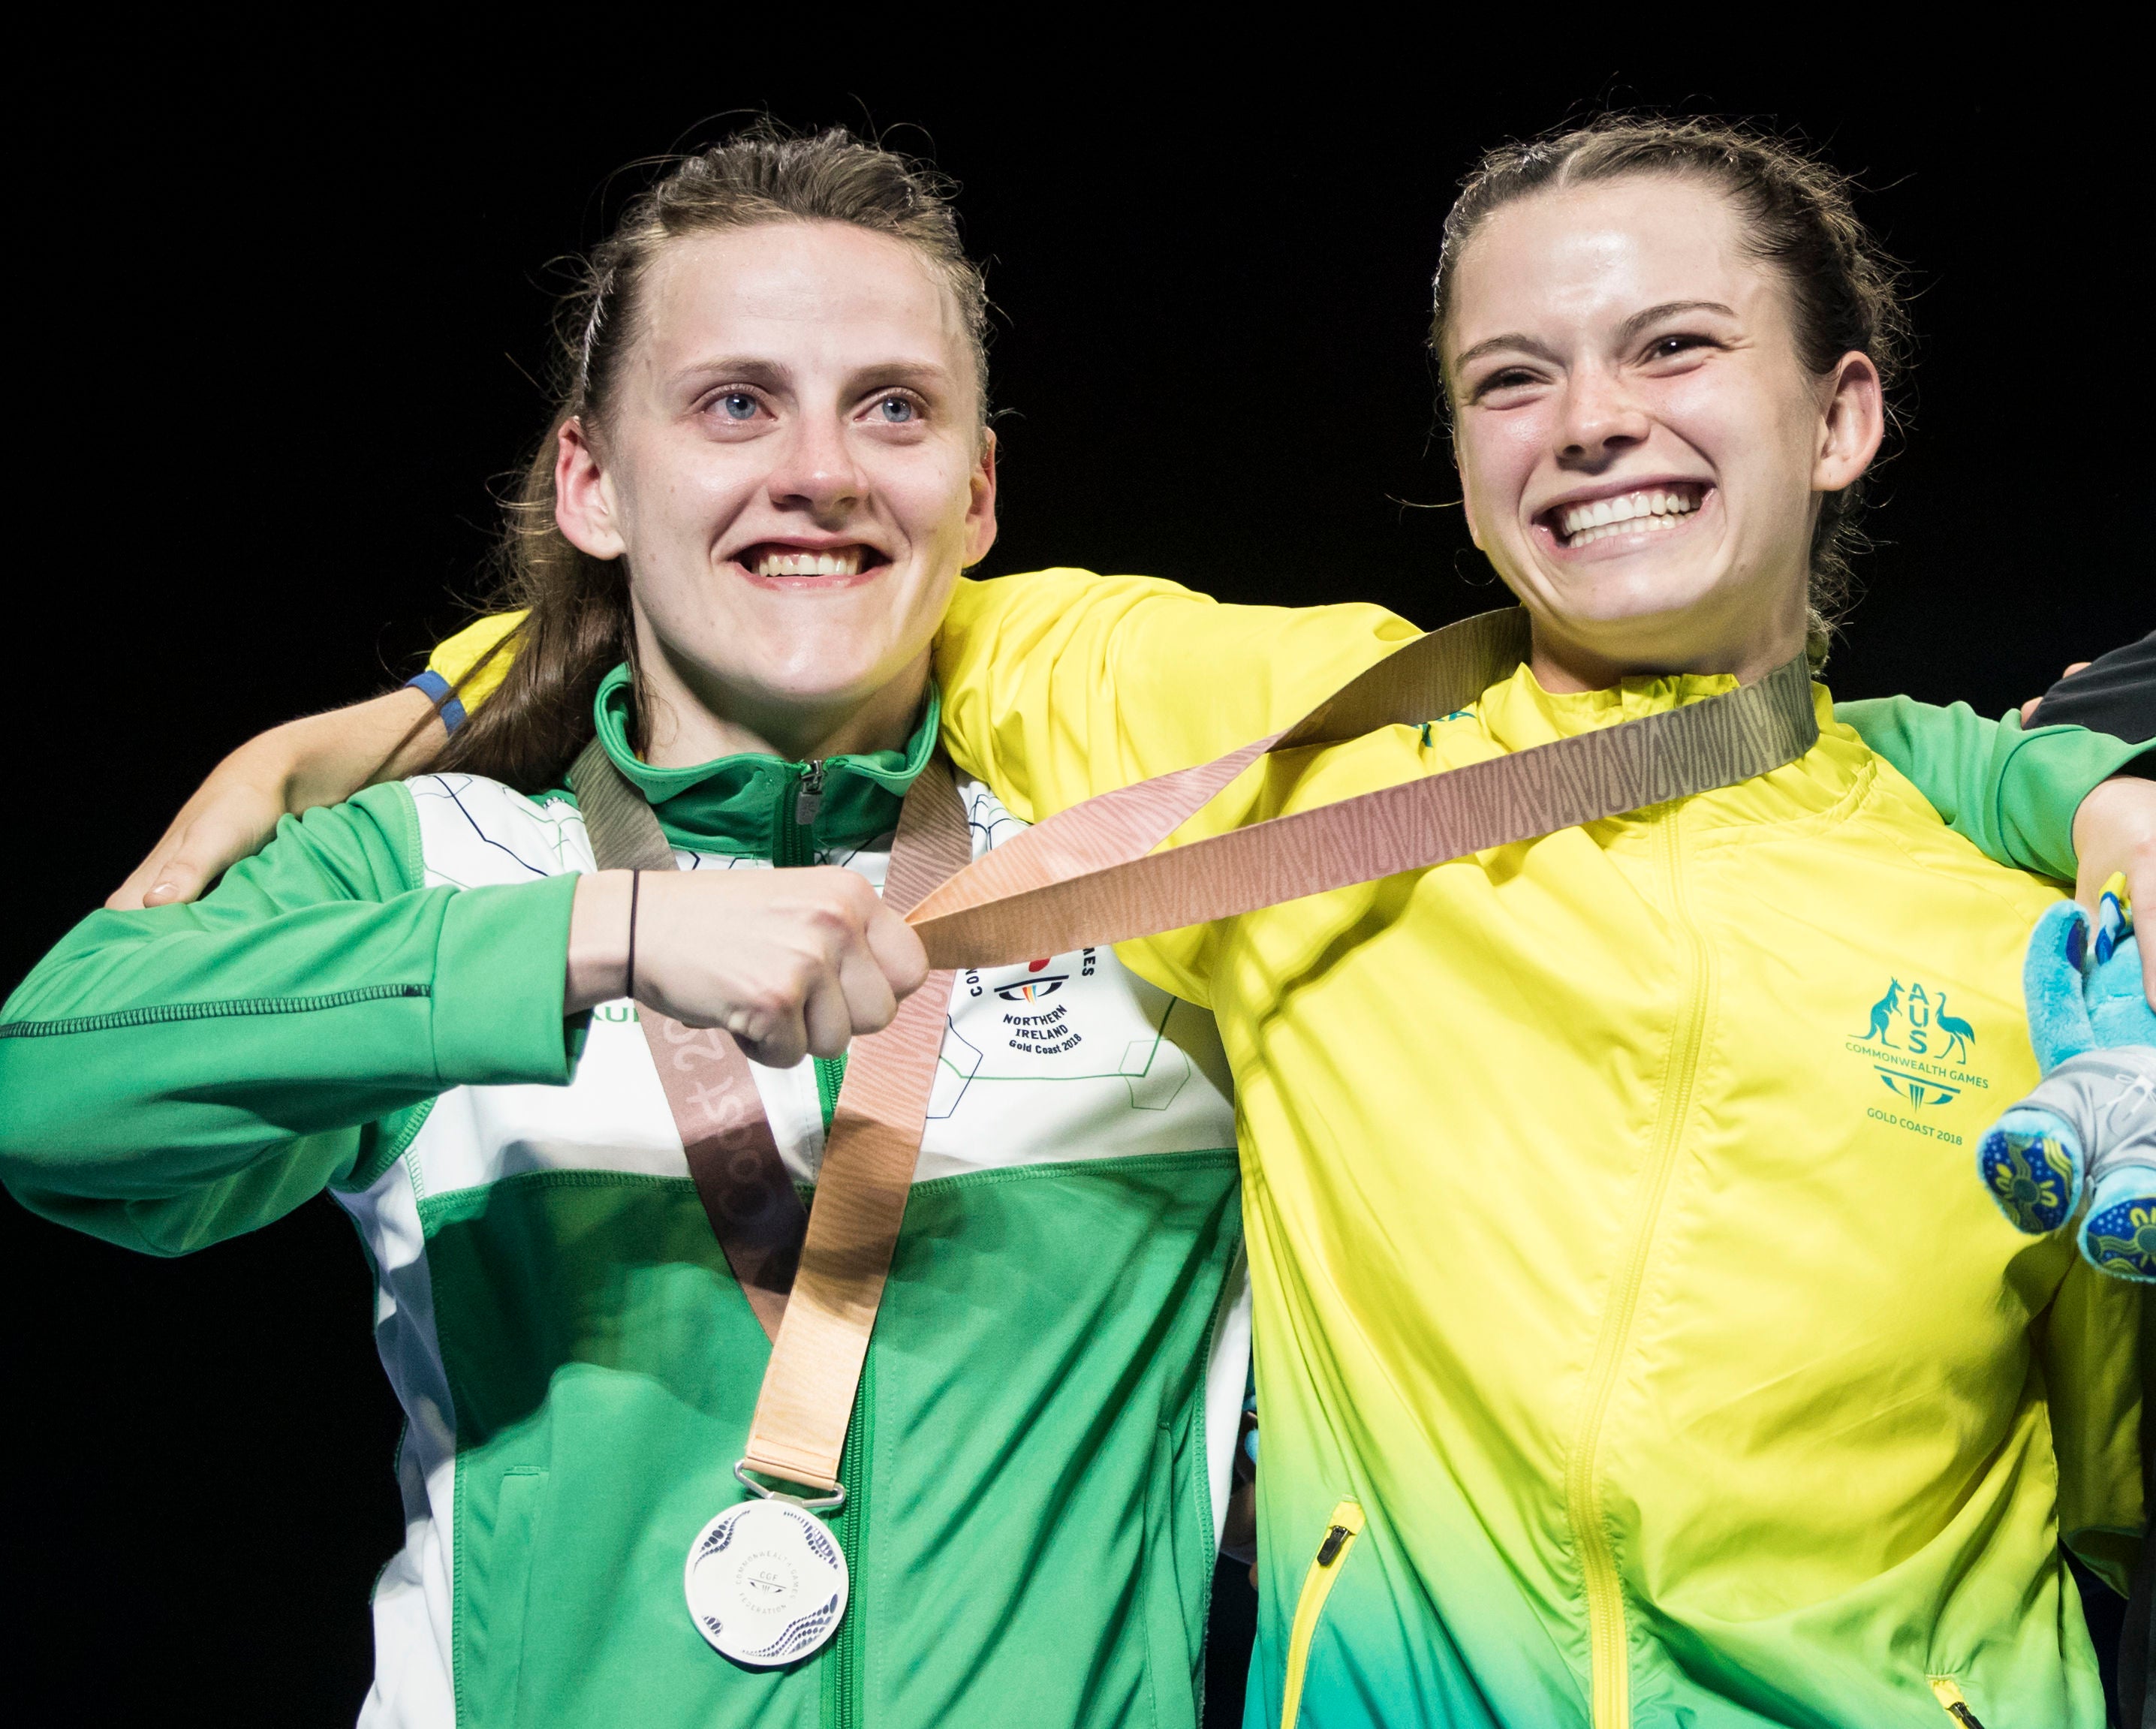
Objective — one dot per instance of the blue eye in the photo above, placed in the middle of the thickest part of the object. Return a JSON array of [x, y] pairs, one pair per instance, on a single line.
[[896, 411], [737, 405]]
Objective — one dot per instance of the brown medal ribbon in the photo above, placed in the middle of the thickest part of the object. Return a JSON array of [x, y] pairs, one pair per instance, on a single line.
[[1087, 876], [747, 1195], [814, 1278]]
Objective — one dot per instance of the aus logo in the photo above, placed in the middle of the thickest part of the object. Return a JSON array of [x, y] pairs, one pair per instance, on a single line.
[[1927, 1029], [1918, 1046], [1916, 1091]]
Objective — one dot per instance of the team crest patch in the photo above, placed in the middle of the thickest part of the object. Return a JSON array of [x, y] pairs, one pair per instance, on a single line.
[[1919, 1050], [1039, 983], [1030, 1026], [1046, 1021]]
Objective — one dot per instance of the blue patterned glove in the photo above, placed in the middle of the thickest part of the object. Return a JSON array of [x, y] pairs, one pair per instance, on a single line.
[[2084, 1144]]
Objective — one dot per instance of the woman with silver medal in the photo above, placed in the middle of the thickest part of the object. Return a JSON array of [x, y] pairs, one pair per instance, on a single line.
[[633, 1124]]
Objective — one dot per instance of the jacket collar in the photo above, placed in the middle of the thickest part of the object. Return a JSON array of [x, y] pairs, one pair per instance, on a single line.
[[750, 805], [1518, 714]]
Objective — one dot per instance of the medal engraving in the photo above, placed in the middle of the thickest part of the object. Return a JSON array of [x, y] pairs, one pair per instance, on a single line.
[[766, 1583]]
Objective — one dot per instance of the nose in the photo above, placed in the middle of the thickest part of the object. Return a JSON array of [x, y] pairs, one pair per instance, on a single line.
[[1601, 419], [816, 470]]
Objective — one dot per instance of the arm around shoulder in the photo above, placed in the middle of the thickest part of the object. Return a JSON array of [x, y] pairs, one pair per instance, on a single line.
[[320, 759], [2016, 793], [295, 768], [1062, 684]]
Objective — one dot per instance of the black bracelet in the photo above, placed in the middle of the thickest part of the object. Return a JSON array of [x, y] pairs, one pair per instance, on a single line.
[[628, 989]]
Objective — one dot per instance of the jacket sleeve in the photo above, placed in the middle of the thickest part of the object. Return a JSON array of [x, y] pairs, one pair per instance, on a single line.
[[1063, 683], [2012, 792], [465, 670], [174, 1076], [2114, 693]]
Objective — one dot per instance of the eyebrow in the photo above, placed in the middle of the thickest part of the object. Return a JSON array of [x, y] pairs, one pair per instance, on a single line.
[[1639, 321], [1513, 341], [773, 375], [739, 368], [1517, 341], [923, 374]]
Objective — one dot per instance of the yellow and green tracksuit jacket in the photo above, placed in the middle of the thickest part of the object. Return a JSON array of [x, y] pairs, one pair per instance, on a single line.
[[1634, 1346]]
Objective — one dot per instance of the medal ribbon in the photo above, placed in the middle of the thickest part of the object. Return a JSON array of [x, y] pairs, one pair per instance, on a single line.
[[733, 1158], [1088, 876], [814, 1278]]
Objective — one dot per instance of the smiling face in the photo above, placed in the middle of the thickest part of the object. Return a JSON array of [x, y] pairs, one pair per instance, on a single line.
[[791, 460], [1641, 448]]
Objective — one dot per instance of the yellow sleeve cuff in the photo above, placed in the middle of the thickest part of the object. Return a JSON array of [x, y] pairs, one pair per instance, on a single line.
[[455, 657]]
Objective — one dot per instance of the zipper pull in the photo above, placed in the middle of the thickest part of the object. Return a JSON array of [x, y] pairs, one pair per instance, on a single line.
[[810, 799], [1328, 1551], [1951, 1702]]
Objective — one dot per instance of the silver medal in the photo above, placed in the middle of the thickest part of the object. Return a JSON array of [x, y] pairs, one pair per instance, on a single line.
[[766, 1583]]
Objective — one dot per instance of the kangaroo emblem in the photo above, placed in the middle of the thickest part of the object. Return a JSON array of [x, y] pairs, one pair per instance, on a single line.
[[1959, 1033], [1883, 1011]]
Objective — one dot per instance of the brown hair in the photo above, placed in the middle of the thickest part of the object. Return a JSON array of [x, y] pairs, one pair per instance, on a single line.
[[1798, 217], [577, 620]]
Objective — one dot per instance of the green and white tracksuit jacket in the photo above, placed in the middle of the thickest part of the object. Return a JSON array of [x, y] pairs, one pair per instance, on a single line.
[[1039, 1456]]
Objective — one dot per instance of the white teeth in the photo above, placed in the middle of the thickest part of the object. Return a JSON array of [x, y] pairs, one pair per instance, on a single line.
[[843, 562], [1629, 513]]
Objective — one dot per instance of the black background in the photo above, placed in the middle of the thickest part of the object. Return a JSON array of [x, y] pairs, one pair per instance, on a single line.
[[276, 304]]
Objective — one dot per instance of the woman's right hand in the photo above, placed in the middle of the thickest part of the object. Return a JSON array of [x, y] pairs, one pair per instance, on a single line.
[[790, 962], [321, 760]]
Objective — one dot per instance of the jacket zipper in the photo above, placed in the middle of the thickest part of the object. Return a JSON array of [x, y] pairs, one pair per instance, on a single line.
[[794, 822], [1608, 1644], [845, 1677], [794, 844], [159, 1013], [830, 1076], [1345, 1526], [1953, 1704], [809, 799]]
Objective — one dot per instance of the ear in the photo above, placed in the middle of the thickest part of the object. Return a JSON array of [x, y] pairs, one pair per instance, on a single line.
[[584, 506], [1851, 426], [981, 502]]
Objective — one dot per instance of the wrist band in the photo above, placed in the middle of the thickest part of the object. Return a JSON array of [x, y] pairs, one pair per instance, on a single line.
[[629, 984]]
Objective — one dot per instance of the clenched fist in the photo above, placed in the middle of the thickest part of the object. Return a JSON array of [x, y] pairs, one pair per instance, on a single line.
[[790, 962]]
